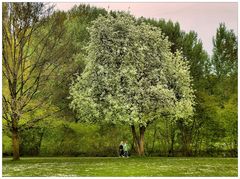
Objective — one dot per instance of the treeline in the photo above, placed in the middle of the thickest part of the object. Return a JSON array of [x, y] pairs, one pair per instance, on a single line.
[[212, 132]]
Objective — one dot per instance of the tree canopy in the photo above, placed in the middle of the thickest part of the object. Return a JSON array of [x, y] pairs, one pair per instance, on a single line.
[[131, 75]]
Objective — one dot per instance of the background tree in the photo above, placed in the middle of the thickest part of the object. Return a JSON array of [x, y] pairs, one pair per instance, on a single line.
[[192, 50], [30, 57], [131, 77], [218, 91], [224, 58], [224, 83], [76, 21]]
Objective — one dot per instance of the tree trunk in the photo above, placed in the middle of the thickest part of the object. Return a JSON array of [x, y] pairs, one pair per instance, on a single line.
[[135, 138], [15, 134], [139, 140], [15, 143]]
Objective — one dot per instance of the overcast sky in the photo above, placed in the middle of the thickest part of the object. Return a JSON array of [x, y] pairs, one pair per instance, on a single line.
[[204, 18]]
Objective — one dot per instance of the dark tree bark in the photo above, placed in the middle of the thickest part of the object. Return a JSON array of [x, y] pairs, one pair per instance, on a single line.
[[135, 138], [15, 143], [139, 139]]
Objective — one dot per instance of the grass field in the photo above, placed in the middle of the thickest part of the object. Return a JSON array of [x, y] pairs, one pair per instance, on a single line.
[[110, 166]]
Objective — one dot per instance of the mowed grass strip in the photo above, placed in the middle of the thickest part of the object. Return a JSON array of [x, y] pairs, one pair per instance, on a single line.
[[114, 166]]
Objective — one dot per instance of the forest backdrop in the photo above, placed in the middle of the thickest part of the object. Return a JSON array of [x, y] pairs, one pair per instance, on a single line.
[[43, 53]]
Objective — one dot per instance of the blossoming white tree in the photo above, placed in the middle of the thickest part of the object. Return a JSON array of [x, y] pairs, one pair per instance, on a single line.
[[131, 77]]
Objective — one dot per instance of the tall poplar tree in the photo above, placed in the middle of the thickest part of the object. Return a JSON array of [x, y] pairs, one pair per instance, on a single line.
[[225, 49]]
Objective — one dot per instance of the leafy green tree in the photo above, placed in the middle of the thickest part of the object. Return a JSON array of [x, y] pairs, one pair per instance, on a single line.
[[225, 49], [30, 56], [76, 21], [225, 61], [131, 77], [217, 93], [192, 50], [188, 43]]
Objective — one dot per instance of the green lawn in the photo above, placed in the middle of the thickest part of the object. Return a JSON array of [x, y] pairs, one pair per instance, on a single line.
[[110, 166]]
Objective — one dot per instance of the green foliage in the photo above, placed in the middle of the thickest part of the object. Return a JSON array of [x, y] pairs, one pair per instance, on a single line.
[[188, 43], [75, 21], [31, 141], [64, 138], [192, 49], [6, 145], [82, 139], [131, 75], [225, 52]]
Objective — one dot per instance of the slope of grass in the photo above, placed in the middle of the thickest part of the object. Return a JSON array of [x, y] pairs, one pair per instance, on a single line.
[[92, 166]]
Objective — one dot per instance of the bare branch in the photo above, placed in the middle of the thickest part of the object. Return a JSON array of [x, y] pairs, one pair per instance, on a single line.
[[41, 103], [30, 124]]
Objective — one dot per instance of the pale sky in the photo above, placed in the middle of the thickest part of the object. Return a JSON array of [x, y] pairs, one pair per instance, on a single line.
[[203, 18]]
